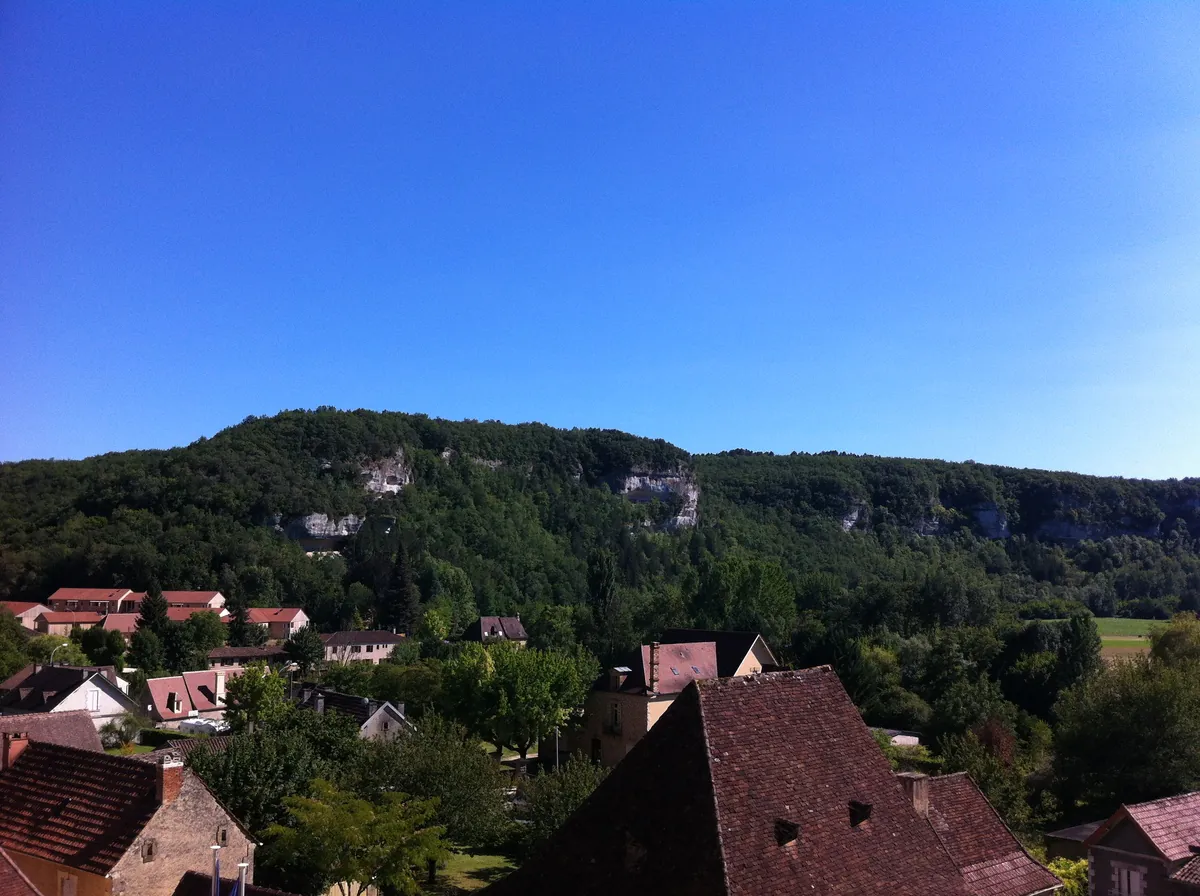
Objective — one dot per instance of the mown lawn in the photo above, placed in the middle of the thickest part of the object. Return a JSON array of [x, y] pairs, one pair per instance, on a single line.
[[1127, 628], [129, 751], [467, 872]]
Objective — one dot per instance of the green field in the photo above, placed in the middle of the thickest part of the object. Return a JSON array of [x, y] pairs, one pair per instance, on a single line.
[[466, 872], [1125, 636]]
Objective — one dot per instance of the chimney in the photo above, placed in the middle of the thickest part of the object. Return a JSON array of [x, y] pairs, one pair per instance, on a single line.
[[14, 745], [320, 704], [916, 788], [169, 779], [219, 687], [652, 685]]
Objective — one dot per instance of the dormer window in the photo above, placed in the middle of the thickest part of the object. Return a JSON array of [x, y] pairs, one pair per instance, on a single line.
[[674, 671], [786, 831], [173, 702], [859, 812]]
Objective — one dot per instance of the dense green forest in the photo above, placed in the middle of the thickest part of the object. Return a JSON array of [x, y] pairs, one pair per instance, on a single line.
[[953, 598]]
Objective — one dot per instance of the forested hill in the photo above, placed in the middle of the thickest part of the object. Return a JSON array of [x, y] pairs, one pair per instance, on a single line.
[[505, 519]]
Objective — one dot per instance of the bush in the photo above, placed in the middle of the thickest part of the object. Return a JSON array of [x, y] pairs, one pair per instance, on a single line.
[[160, 737]]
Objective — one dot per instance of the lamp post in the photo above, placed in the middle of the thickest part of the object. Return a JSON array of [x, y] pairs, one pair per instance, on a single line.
[[56, 650]]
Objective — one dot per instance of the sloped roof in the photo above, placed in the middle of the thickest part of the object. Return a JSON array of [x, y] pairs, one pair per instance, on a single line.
[[195, 690], [251, 653], [732, 647], [1171, 824], [183, 614], [1189, 873], [361, 709], [348, 639], [265, 615], [183, 747], [13, 881], [701, 804], [109, 594], [991, 859], [75, 807], [71, 617], [195, 884], [67, 729], [678, 666], [51, 685], [190, 597], [126, 623], [17, 607], [15, 680], [507, 628]]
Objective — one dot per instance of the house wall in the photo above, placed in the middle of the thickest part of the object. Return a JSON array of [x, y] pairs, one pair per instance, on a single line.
[[111, 706], [1126, 846], [366, 653], [638, 714], [45, 875], [63, 628], [29, 617], [184, 831], [374, 728]]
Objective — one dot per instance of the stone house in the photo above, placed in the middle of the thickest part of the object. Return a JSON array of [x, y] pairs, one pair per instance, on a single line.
[[1147, 849], [360, 647], [49, 689], [79, 823]]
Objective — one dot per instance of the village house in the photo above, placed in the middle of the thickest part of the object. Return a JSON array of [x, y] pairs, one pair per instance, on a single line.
[[280, 622], [237, 657], [49, 689], [67, 729], [360, 647], [56, 622], [13, 881], [26, 613], [494, 629], [376, 719], [81, 823], [628, 699], [771, 785], [173, 699], [196, 600], [738, 653], [96, 600], [1147, 849]]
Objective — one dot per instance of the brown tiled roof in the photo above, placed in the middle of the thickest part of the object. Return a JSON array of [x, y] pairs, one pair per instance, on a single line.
[[184, 747], [126, 623], [508, 628], [71, 617], [68, 729], [51, 685], [75, 807], [17, 607], [13, 881], [991, 859], [81, 594], [678, 666], [348, 639], [732, 647], [1189, 873], [195, 884], [745, 787], [1171, 824], [264, 615], [250, 653]]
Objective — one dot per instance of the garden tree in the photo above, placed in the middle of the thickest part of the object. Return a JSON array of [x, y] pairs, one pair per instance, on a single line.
[[121, 732], [1074, 875], [467, 690], [65, 651], [550, 798], [434, 630], [241, 631], [306, 649], [611, 624], [1127, 734], [180, 653], [990, 755], [404, 653], [13, 646], [153, 615], [1178, 643], [417, 686], [103, 648], [1078, 651], [400, 602], [207, 632], [256, 697], [146, 653], [441, 761], [348, 678], [356, 844], [451, 591]]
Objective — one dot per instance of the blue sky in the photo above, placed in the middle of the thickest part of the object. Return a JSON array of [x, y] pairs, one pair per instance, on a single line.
[[959, 231]]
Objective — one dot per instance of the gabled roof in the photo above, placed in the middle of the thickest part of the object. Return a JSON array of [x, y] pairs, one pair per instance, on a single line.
[[67, 729], [196, 691], [266, 615], [109, 594], [496, 628], [13, 881], [1189, 873], [71, 617], [348, 639], [195, 884], [190, 597], [1172, 825], [51, 685], [991, 860], [17, 607], [183, 614], [747, 787], [732, 647], [17, 678], [75, 807], [678, 666], [126, 623], [361, 709], [251, 653]]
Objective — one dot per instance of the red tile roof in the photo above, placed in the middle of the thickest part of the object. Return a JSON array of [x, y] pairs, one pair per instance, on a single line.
[[264, 615], [678, 666], [67, 617], [68, 729], [1171, 824], [744, 788], [109, 594], [190, 597], [13, 881], [74, 807], [17, 607], [1189, 873], [732, 647], [126, 623], [195, 690], [266, 654], [991, 859]]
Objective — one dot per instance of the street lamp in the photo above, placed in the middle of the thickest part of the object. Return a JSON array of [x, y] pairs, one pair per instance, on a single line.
[[56, 650]]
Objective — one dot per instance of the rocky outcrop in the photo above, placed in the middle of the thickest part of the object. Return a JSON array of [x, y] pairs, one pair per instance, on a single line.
[[858, 514], [644, 486], [388, 475], [318, 526], [991, 520]]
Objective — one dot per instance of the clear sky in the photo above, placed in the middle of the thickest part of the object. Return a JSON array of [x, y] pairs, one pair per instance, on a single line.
[[968, 230]]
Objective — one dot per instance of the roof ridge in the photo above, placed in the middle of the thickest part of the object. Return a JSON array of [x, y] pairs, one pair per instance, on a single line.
[[712, 788]]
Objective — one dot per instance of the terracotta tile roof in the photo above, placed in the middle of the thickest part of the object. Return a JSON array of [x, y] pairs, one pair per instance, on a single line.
[[68, 729], [247, 653], [1171, 824], [1188, 873], [17, 607], [81, 594], [126, 623], [70, 617], [732, 647], [264, 615], [348, 639], [747, 787], [190, 597], [193, 690], [74, 807], [497, 628], [48, 686], [678, 666], [13, 881], [991, 859], [195, 884]]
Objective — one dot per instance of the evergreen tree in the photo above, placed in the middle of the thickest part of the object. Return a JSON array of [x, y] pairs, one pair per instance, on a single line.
[[154, 610], [400, 607], [306, 649], [146, 653], [242, 632]]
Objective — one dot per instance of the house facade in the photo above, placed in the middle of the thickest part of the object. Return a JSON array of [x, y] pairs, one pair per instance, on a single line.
[[196, 600], [238, 657], [96, 600], [61, 622], [360, 647], [1147, 849], [280, 622], [494, 629], [52, 689], [79, 823], [376, 719], [26, 613]]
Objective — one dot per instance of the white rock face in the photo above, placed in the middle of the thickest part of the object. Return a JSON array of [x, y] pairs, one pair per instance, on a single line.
[[389, 475], [643, 487], [318, 525]]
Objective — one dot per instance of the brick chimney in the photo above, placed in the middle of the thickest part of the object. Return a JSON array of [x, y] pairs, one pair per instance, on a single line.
[[916, 788], [14, 745], [652, 685], [169, 778]]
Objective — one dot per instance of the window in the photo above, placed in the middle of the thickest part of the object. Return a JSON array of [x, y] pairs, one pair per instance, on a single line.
[[93, 700], [859, 812], [696, 669], [356, 649], [674, 671], [597, 749], [614, 718], [386, 725], [370, 648], [1131, 880], [149, 850], [222, 836], [72, 604]]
